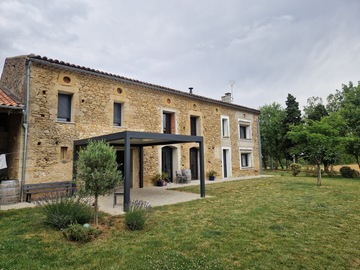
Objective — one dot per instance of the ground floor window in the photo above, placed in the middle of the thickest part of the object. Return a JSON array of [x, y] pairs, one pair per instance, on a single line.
[[245, 158]]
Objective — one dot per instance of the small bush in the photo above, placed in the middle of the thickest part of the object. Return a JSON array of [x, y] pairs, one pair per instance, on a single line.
[[137, 215], [79, 233], [295, 168], [347, 172], [63, 211]]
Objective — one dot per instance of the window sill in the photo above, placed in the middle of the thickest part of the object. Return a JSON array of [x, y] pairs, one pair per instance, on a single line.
[[246, 168], [64, 122]]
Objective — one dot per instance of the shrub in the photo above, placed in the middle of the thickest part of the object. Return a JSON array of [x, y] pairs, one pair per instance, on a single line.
[[79, 233], [347, 172], [137, 215], [295, 168], [63, 211]]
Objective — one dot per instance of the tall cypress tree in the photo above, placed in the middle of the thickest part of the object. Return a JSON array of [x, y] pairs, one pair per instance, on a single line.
[[292, 118]]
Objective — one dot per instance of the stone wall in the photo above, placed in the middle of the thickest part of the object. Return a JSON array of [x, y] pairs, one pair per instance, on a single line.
[[13, 77], [50, 143]]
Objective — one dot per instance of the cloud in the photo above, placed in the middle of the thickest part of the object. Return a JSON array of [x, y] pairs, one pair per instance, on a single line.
[[269, 48]]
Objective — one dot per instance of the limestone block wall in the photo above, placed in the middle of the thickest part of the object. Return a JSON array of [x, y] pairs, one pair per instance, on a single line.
[[50, 142]]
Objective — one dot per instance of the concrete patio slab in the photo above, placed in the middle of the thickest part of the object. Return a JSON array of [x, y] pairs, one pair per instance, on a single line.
[[156, 196]]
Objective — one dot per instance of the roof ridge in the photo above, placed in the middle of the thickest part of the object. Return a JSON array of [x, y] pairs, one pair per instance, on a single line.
[[138, 82]]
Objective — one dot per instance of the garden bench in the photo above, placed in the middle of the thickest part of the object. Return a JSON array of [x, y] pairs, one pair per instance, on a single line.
[[65, 187]]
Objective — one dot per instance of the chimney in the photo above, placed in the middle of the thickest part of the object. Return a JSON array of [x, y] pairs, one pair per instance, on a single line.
[[190, 90], [227, 98]]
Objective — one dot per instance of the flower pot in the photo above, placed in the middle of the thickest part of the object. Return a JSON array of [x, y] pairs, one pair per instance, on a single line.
[[211, 178], [159, 183]]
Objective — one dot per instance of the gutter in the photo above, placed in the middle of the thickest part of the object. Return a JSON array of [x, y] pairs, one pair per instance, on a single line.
[[25, 126], [11, 107]]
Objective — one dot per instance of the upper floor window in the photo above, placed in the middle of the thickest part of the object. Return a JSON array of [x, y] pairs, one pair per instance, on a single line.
[[194, 125], [245, 129], [64, 107], [168, 123], [117, 114], [225, 127]]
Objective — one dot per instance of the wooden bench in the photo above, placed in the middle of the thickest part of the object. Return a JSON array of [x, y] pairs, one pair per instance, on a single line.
[[65, 187]]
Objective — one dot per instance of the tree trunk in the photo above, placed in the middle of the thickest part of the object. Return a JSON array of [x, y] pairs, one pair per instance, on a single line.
[[264, 163], [279, 160], [96, 211], [319, 175], [326, 166]]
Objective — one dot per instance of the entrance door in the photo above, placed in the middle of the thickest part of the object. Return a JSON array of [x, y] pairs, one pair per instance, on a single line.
[[225, 163], [194, 164], [167, 161]]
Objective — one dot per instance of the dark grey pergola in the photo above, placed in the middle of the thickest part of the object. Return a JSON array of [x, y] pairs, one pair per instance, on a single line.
[[131, 139]]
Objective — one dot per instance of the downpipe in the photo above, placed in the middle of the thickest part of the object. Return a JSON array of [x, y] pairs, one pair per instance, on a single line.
[[26, 127]]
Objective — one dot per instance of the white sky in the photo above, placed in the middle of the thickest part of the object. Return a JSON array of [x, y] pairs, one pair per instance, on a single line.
[[268, 48]]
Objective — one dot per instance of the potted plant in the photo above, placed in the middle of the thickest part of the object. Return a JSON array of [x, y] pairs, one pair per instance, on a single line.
[[165, 178], [212, 175], [161, 179]]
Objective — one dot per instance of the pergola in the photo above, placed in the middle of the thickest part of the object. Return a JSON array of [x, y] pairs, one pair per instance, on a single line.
[[135, 139]]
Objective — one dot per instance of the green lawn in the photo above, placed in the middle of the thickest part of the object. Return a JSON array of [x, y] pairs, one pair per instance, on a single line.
[[270, 223]]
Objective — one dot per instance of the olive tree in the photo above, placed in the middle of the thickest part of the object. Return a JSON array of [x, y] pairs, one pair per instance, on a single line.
[[97, 171]]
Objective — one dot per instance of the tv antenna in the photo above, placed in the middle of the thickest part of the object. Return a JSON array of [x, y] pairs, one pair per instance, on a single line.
[[232, 85]]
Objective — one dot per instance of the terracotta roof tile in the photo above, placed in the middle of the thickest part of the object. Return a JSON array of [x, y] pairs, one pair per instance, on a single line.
[[6, 100]]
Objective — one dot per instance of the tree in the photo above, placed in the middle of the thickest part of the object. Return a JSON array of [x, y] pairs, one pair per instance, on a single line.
[[271, 119], [315, 109], [318, 141], [352, 147], [98, 171], [350, 110], [334, 101], [292, 118]]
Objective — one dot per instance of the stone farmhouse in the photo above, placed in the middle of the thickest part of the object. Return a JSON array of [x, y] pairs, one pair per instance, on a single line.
[[46, 105]]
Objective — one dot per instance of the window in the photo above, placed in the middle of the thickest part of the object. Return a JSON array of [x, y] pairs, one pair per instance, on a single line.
[[245, 158], [63, 153], [194, 124], [117, 114], [225, 127], [168, 123], [244, 129], [64, 107]]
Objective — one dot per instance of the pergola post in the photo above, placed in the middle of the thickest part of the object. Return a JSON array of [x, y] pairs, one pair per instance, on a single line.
[[202, 172], [127, 169], [141, 158]]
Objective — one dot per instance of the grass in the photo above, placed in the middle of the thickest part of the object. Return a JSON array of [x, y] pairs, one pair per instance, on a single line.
[[270, 223]]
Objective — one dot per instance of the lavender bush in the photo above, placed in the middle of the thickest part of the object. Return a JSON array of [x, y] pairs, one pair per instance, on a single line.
[[138, 214]]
